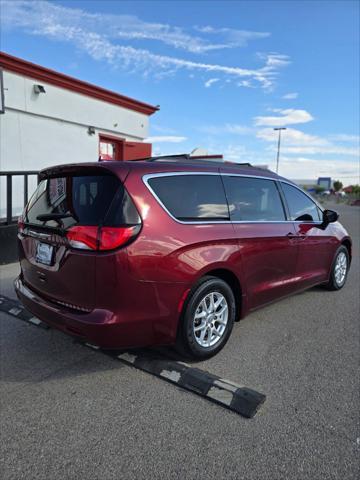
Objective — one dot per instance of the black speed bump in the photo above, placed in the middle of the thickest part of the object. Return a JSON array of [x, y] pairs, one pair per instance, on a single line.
[[237, 398]]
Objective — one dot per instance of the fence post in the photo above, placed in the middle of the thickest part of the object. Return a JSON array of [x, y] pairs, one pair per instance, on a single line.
[[25, 189], [8, 199]]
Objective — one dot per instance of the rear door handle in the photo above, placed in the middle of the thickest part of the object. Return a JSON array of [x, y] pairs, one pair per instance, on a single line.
[[291, 235]]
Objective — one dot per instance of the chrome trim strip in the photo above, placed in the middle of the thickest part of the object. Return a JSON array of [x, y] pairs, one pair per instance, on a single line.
[[32, 233], [148, 176]]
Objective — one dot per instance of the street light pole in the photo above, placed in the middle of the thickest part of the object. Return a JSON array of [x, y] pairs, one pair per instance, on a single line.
[[278, 149]]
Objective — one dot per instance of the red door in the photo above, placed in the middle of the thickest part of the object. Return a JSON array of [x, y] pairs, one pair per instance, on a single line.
[[267, 242], [136, 150], [113, 148], [316, 244], [268, 260]]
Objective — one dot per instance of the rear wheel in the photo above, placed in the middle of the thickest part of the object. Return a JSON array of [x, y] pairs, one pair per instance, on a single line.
[[207, 319], [339, 269]]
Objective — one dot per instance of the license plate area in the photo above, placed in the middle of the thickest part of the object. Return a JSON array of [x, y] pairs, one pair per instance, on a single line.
[[44, 253]]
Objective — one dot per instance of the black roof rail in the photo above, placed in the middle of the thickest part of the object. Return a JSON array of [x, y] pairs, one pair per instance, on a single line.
[[187, 156], [163, 157]]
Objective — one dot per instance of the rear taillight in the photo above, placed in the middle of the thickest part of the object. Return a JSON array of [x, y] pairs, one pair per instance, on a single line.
[[101, 238], [21, 224], [83, 237], [114, 237]]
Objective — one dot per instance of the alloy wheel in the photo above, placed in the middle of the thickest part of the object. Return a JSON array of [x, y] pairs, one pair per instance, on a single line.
[[210, 319]]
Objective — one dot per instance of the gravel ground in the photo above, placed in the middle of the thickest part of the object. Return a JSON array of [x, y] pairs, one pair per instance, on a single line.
[[68, 412]]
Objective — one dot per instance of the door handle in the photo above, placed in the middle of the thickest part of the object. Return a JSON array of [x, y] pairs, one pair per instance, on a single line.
[[300, 236]]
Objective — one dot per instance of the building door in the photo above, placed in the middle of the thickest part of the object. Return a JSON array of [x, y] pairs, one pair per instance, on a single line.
[[136, 150], [111, 148]]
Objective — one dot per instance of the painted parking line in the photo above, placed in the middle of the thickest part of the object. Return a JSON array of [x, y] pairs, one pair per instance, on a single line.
[[16, 309], [238, 398]]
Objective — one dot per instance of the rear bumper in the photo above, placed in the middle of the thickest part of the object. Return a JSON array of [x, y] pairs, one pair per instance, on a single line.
[[100, 327]]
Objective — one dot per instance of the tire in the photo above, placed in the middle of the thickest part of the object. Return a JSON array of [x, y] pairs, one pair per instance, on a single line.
[[204, 336], [339, 269]]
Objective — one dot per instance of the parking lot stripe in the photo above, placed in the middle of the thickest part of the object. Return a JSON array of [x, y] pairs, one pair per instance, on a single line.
[[226, 393], [16, 309]]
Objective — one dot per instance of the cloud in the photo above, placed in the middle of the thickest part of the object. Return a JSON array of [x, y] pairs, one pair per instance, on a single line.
[[116, 26], [233, 37], [210, 82], [229, 128], [315, 150], [287, 117], [166, 139], [99, 34], [291, 137], [343, 137], [163, 130], [245, 83], [290, 96], [311, 168], [299, 143]]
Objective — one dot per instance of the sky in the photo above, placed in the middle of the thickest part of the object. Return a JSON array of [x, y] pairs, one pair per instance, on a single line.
[[224, 73]]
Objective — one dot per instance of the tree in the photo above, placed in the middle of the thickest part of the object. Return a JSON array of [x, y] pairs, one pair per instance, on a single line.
[[337, 185]]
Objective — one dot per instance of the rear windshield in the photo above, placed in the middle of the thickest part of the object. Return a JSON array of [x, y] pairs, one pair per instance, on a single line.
[[81, 200]]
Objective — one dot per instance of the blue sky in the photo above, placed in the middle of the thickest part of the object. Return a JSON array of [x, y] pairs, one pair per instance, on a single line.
[[224, 73]]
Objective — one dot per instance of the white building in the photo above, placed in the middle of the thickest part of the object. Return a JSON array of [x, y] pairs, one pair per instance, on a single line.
[[48, 118]]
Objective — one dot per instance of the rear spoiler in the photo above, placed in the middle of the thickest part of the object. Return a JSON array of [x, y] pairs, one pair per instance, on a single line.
[[90, 168]]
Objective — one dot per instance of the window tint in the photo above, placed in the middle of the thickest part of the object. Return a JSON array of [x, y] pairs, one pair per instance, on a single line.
[[253, 199], [192, 197], [301, 207], [81, 200]]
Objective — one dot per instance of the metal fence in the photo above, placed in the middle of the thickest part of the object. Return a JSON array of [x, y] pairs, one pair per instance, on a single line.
[[9, 218]]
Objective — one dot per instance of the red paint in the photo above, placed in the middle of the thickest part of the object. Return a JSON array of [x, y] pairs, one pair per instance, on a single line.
[[39, 73], [134, 292]]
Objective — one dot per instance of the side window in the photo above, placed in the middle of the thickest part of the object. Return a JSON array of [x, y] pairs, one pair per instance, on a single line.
[[192, 197], [301, 207], [253, 199]]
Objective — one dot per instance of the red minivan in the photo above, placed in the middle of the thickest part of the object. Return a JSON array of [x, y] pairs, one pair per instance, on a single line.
[[170, 251]]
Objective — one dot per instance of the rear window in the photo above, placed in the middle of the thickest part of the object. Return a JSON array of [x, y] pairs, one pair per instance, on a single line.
[[81, 200], [192, 197]]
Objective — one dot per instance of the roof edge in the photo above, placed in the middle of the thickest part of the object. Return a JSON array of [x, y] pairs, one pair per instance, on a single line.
[[32, 70]]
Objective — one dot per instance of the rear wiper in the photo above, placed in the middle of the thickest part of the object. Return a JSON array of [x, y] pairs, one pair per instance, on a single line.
[[53, 216]]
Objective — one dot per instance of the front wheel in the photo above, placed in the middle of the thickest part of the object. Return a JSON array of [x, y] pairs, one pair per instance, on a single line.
[[339, 269], [207, 319]]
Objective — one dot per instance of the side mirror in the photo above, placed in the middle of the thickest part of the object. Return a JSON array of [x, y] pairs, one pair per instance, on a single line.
[[329, 216]]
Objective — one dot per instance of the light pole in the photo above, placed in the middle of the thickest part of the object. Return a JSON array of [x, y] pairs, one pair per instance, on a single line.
[[278, 149]]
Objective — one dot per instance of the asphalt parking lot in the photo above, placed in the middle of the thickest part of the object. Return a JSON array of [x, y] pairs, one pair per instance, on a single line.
[[68, 412]]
